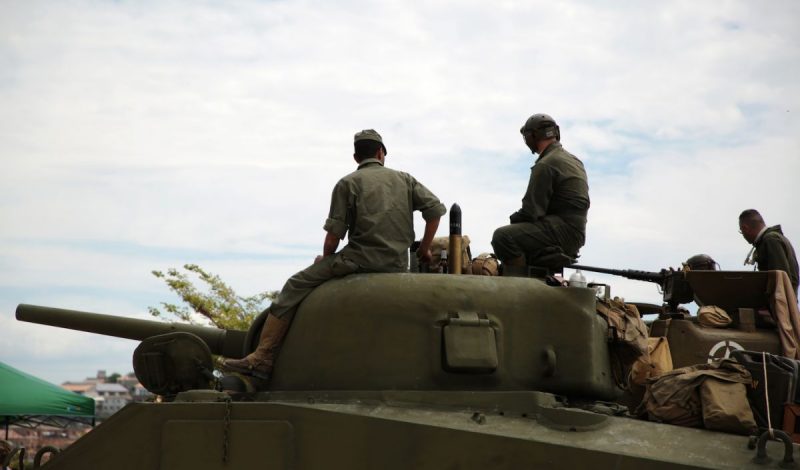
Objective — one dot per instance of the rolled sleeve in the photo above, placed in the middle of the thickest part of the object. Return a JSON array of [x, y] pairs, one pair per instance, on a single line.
[[434, 212], [426, 202], [336, 227], [336, 223]]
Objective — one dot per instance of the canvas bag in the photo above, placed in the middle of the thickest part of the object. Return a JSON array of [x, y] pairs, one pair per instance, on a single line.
[[713, 317], [688, 413], [725, 407], [626, 327], [627, 335], [690, 395], [485, 264], [655, 363]]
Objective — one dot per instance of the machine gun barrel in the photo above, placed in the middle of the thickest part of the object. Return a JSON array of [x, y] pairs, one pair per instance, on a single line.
[[229, 343], [648, 276]]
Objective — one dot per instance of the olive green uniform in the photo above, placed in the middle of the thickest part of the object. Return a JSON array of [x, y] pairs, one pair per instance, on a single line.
[[553, 210], [375, 205], [774, 252]]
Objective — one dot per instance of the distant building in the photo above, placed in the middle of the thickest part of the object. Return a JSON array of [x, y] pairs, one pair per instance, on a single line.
[[79, 388], [137, 390], [109, 397]]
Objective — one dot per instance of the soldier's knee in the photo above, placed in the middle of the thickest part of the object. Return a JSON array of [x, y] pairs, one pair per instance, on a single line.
[[501, 234], [503, 243]]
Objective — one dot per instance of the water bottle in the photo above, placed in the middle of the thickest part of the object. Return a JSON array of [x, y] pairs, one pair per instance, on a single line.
[[577, 279]]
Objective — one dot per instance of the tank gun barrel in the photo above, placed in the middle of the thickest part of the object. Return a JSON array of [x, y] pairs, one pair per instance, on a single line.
[[648, 276], [229, 343]]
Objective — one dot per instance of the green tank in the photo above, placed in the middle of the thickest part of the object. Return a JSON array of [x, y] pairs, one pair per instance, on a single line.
[[410, 371]]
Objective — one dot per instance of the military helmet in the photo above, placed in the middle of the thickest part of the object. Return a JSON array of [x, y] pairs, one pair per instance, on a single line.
[[701, 262], [542, 126]]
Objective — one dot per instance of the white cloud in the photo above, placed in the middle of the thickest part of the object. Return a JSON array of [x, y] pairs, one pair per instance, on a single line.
[[134, 135]]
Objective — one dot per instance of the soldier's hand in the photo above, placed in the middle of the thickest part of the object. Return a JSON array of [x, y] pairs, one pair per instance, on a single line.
[[424, 256]]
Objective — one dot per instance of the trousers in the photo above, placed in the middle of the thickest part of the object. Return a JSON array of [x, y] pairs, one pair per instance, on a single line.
[[303, 282], [528, 238]]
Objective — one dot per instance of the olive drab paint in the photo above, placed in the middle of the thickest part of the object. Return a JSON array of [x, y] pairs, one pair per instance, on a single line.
[[411, 370]]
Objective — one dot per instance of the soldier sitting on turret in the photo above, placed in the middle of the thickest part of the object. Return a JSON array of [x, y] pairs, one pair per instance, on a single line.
[[375, 206], [553, 214]]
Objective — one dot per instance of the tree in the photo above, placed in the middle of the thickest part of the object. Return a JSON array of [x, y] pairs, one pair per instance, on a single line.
[[113, 378], [217, 304]]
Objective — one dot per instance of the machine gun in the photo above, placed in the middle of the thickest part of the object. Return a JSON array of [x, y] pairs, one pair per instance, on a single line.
[[675, 288]]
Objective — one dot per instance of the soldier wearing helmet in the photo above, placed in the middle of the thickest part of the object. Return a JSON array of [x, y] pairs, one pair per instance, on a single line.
[[701, 262], [555, 205]]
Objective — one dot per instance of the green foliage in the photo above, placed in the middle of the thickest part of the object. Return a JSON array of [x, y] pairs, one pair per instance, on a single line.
[[216, 304], [113, 378]]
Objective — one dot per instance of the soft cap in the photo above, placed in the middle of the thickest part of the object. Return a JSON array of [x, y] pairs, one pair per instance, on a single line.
[[369, 134]]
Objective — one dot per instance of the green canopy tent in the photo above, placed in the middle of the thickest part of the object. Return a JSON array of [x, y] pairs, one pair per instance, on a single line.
[[26, 400]]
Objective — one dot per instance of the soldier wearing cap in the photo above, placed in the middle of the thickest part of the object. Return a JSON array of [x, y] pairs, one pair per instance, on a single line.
[[555, 205], [374, 205]]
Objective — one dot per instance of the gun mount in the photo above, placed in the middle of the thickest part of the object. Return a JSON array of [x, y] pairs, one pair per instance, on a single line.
[[675, 288], [730, 290]]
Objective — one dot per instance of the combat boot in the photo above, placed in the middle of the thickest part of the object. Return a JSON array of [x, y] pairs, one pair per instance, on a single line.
[[259, 363]]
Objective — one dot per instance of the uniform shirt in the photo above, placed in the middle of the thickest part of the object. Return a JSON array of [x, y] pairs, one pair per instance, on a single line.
[[375, 206], [558, 186], [774, 252]]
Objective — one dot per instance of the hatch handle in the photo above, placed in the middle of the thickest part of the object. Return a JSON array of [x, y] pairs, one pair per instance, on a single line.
[[468, 319]]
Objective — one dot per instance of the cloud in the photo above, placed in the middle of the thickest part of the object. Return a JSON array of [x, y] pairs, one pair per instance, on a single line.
[[140, 136]]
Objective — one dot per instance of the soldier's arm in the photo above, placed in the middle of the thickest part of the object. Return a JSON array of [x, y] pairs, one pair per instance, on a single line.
[[330, 244], [774, 253], [537, 197], [336, 223], [425, 201], [424, 251], [432, 209]]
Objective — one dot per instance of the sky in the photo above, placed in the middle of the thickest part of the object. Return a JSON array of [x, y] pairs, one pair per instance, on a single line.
[[140, 136]]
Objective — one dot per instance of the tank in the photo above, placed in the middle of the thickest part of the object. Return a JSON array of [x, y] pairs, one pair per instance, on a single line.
[[414, 370]]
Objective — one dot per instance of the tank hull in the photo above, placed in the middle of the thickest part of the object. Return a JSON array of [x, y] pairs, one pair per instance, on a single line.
[[308, 431]]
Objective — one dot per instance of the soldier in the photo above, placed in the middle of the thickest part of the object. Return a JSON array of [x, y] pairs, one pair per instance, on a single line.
[[771, 250], [554, 208], [375, 205]]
